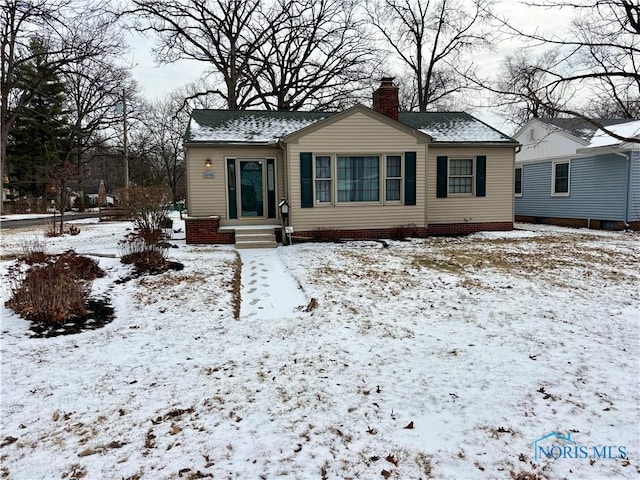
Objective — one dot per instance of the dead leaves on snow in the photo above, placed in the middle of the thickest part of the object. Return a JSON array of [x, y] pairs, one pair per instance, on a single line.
[[101, 448], [191, 475], [173, 416], [8, 440], [175, 413]]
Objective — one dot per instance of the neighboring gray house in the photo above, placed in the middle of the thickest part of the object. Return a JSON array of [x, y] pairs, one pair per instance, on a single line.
[[569, 173]]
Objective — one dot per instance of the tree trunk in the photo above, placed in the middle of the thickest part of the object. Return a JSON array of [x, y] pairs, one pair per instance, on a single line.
[[4, 135]]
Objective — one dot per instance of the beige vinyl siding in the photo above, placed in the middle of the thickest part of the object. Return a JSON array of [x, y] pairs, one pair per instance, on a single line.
[[496, 206], [208, 196], [357, 134]]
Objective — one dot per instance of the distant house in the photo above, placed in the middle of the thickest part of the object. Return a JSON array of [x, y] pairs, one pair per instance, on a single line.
[[95, 193], [359, 173], [569, 173]]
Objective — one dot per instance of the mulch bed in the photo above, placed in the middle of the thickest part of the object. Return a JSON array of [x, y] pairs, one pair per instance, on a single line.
[[99, 313]]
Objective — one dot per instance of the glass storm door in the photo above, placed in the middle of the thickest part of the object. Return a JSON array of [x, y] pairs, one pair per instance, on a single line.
[[251, 188]]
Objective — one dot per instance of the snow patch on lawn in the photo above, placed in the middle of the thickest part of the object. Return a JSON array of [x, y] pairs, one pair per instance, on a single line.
[[481, 344]]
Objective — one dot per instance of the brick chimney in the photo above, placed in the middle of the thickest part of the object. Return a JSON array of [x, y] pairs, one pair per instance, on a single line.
[[385, 98]]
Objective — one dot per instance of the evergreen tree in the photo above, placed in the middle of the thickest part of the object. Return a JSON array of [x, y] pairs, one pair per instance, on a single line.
[[39, 140]]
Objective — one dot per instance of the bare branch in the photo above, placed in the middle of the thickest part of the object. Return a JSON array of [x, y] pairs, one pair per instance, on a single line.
[[430, 38], [589, 70]]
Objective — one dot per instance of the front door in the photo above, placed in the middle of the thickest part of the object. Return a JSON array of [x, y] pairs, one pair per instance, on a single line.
[[251, 174]]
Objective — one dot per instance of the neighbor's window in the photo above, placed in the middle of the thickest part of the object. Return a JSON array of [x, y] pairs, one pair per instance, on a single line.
[[561, 178], [323, 179], [518, 185], [394, 177], [358, 179], [461, 176]]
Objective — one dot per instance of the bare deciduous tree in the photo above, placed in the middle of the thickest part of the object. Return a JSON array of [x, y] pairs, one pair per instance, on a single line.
[[159, 143], [596, 63], [275, 55], [223, 33], [521, 73], [94, 90], [316, 55], [430, 38]]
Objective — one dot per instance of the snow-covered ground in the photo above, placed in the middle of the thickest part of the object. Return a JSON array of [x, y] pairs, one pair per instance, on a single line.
[[442, 358]]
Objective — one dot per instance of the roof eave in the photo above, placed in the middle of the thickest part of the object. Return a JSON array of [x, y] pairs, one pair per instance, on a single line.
[[508, 143], [604, 149], [217, 143]]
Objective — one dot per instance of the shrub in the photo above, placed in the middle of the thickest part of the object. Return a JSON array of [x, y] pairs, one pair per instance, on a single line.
[[82, 267], [146, 248], [144, 252], [149, 207], [33, 250], [54, 290]]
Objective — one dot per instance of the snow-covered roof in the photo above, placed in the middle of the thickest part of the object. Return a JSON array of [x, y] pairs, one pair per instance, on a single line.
[[453, 127], [579, 127], [268, 127], [226, 126], [630, 130]]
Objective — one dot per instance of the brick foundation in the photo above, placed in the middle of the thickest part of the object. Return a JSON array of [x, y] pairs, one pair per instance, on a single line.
[[205, 230], [578, 222], [465, 228], [331, 235], [403, 231]]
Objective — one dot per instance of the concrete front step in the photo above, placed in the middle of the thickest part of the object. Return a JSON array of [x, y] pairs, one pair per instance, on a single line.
[[255, 239], [256, 244]]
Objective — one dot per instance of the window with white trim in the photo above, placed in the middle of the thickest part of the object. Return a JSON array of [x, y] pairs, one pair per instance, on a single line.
[[560, 180], [323, 178], [358, 178], [518, 182], [461, 176], [393, 181]]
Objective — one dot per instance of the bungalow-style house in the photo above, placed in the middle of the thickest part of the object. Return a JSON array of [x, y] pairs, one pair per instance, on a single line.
[[359, 173], [570, 173]]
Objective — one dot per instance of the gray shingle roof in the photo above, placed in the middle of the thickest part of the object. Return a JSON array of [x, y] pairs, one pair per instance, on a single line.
[[246, 126], [267, 127], [90, 187], [579, 127], [453, 127]]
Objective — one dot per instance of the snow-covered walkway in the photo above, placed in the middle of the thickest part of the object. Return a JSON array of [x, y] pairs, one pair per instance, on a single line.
[[269, 291]]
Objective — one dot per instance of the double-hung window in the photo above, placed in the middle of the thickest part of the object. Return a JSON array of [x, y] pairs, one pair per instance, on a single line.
[[518, 182], [333, 179], [461, 176], [358, 178], [323, 179], [394, 178], [560, 180]]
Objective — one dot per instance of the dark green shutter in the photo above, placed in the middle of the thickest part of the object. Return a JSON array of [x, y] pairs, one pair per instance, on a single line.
[[409, 178], [231, 187], [441, 188], [481, 176], [306, 179]]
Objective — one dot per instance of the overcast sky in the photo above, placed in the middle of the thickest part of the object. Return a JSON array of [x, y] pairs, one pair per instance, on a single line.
[[157, 81]]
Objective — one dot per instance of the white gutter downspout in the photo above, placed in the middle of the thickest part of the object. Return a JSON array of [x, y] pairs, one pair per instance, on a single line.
[[627, 156]]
